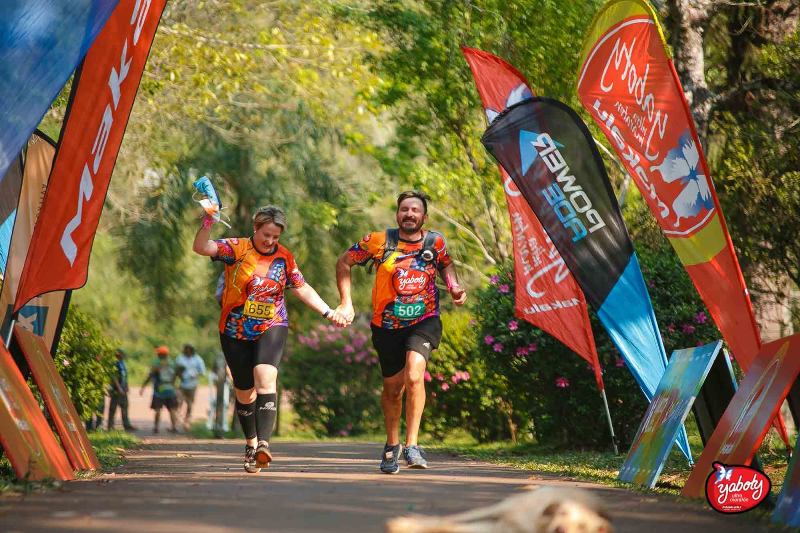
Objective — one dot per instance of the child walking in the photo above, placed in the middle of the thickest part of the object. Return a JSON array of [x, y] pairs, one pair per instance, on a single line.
[[163, 375]]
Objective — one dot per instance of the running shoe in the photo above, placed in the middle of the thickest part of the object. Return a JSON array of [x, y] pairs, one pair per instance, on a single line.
[[415, 457], [250, 460], [391, 454], [263, 455]]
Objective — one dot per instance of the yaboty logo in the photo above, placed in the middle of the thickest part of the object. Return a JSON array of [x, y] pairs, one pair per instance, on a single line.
[[732, 489], [626, 87], [408, 281], [693, 201]]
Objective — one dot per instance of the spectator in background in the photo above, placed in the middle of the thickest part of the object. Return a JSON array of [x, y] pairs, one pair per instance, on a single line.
[[190, 367], [220, 383], [95, 420], [163, 375], [118, 392]]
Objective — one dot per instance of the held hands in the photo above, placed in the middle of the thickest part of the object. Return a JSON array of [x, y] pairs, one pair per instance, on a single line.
[[342, 316], [338, 320], [335, 317], [347, 312]]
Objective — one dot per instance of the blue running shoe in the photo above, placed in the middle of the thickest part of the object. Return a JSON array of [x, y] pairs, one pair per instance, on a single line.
[[391, 454], [415, 457]]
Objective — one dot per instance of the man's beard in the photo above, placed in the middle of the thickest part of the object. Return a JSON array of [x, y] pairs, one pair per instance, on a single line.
[[415, 229]]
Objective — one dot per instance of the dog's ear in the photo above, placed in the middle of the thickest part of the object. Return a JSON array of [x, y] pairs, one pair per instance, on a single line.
[[551, 509], [602, 513]]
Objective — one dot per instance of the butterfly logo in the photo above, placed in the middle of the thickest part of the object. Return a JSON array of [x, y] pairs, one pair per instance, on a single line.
[[723, 474]]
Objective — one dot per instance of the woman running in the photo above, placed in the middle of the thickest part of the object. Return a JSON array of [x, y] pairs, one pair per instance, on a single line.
[[253, 325]]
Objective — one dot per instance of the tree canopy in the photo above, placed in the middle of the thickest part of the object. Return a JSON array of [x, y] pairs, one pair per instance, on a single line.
[[330, 107]]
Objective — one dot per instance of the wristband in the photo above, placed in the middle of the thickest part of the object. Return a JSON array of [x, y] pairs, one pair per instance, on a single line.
[[207, 222], [326, 313]]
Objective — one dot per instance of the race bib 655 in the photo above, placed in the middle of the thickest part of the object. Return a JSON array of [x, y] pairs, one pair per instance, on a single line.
[[259, 309]]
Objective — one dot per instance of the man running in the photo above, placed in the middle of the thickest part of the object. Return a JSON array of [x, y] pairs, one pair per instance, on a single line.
[[405, 315]]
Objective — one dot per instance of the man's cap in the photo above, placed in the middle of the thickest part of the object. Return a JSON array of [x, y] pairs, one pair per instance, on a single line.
[[162, 350]]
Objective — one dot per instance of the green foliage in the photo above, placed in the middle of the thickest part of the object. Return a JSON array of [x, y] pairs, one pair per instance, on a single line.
[[85, 360], [333, 380], [549, 393], [152, 254], [464, 390], [271, 101], [759, 183], [431, 96], [328, 108], [753, 146]]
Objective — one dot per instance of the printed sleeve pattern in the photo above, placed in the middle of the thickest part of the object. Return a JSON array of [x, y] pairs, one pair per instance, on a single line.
[[365, 249], [443, 258], [294, 278], [225, 252]]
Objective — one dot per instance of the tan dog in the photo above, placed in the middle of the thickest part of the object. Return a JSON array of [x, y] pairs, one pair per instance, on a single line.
[[545, 510]]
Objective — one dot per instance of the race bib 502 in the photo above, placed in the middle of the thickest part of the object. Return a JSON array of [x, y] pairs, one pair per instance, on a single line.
[[408, 311]]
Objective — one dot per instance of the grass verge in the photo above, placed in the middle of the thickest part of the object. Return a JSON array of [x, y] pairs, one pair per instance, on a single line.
[[109, 446], [601, 467]]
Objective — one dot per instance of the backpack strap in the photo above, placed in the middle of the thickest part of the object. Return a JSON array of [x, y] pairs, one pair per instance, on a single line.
[[389, 246], [429, 245]]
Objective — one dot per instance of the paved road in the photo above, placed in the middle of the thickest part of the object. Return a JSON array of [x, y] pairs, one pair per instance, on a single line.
[[196, 486]]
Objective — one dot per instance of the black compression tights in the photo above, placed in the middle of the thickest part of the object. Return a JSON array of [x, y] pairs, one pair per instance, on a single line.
[[243, 356], [266, 413]]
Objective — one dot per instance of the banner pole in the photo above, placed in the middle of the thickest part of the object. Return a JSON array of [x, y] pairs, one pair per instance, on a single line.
[[610, 424], [62, 317], [10, 331]]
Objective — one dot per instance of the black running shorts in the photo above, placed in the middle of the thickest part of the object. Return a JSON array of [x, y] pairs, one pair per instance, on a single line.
[[170, 402], [243, 356], [393, 344]]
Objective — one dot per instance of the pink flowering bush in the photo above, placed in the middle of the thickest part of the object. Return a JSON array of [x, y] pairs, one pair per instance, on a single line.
[[460, 395], [334, 379], [545, 392]]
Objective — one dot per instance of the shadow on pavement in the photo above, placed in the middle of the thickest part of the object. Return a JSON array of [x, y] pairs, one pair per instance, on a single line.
[[199, 485]]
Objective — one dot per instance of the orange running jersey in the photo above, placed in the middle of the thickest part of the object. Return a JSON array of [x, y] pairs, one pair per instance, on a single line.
[[405, 289], [253, 297]]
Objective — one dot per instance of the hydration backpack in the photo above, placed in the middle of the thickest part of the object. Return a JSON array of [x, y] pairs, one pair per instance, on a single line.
[[427, 253]]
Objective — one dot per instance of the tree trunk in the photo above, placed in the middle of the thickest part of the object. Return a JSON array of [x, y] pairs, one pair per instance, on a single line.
[[689, 21], [508, 411]]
